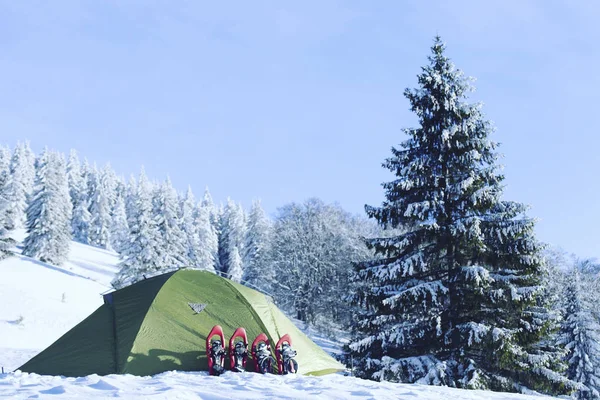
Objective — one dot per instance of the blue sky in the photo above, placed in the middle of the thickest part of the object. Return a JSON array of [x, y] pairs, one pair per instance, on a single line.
[[286, 100]]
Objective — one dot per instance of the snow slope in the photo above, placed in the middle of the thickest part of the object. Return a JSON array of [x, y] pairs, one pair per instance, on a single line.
[[40, 302]]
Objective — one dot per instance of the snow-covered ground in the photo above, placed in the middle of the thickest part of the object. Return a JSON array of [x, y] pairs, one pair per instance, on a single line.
[[198, 385], [40, 302]]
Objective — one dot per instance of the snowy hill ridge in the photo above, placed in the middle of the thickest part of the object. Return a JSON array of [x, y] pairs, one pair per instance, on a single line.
[[40, 302]]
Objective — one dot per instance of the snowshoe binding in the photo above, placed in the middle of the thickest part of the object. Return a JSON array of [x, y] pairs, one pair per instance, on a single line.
[[261, 353], [215, 352], [238, 352], [286, 364], [218, 355]]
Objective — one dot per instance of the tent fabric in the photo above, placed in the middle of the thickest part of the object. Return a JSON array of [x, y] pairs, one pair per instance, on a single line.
[[149, 327], [65, 356], [130, 306]]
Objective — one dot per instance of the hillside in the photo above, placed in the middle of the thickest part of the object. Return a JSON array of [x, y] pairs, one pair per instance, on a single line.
[[40, 302]]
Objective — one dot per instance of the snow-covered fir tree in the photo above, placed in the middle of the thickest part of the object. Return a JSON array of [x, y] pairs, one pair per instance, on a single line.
[[100, 208], [119, 229], [142, 255], [214, 215], [173, 241], [556, 262], [80, 222], [231, 240], [75, 178], [207, 201], [243, 227], [130, 196], [257, 268], [238, 273], [236, 269], [452, 300], [79, 199], [120, 188], [29, 168], [187, 213], [4, 160], [4, 167], [89, 171], [49, 212], [5, 241], [580, 331], [18, 187], [111, 183], [223, 236], [208, 240]]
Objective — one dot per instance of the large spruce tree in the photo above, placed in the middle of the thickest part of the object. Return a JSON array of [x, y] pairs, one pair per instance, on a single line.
[[453, 299]]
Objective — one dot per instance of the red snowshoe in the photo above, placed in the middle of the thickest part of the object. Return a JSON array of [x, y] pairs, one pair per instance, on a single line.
[[215, 352], [261, 353], [238, 352], [285, 356]]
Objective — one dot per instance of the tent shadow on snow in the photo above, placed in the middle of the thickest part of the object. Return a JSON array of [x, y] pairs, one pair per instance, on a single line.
[[148, 328], [168, 360]]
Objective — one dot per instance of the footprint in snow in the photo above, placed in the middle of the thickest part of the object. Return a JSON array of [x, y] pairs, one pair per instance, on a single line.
[[55, 390]]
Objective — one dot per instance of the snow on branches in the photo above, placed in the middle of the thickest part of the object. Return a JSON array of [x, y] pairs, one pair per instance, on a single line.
[[451, 297]]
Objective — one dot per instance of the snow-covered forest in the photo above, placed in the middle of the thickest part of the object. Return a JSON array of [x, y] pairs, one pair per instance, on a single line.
[[303, 256], [444, 283]]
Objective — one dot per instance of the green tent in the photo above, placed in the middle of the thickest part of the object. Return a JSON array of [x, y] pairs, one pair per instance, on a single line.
[[150, 327]]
